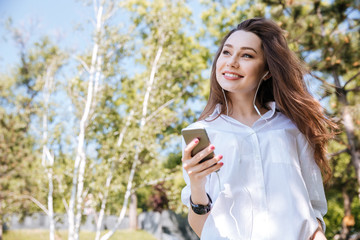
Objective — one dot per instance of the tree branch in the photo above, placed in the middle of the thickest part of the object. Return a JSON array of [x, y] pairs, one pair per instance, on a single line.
[[62, 191], [159, 109], [352, 78], [110, 11], [95, 5], [34, 200], [123, 131], [153, 114], [355, 89], [85, 66], [340, 91], [323, 80], [327, 94], [150, 86], [345, 150]]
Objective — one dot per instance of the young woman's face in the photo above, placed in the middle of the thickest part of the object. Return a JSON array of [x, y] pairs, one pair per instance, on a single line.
[[241, 64]]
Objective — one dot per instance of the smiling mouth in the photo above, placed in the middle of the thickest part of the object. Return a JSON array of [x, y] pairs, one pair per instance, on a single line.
[[231, 75]]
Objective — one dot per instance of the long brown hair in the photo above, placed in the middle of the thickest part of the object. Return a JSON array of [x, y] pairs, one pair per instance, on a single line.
[[286, 87]]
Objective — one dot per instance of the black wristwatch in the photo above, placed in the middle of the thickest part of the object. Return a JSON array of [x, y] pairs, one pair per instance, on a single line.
[[201, 209]]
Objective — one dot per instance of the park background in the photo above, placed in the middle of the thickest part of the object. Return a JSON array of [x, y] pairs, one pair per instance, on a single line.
[[94, 94]]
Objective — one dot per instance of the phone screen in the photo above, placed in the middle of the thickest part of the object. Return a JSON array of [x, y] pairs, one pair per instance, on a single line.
[[200, 133]]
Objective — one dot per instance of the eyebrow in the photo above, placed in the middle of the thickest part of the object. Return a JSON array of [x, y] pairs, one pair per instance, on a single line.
[[244, 48]]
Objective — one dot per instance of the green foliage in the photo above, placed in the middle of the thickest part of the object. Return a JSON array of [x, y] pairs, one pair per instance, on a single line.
[[158, 25], [19, 148], [174, 159], [16, 157], [333, 218]]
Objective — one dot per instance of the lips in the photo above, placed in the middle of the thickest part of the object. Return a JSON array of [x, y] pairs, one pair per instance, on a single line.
[[232, 76]]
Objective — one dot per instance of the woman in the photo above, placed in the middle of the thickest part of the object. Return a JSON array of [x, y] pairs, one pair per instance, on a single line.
[[269, 135]]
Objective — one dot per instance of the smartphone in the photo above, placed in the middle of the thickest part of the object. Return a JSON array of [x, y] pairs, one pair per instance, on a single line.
[[200, 133]]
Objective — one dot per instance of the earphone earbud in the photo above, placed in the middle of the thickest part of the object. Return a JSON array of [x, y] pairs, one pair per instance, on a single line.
[[265, 75]]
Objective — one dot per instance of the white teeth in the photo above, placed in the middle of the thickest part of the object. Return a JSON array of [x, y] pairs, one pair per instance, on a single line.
[[231, 75]]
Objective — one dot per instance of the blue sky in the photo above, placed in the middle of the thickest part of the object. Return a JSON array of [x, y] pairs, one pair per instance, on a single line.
[[54, 18], [57, 19]]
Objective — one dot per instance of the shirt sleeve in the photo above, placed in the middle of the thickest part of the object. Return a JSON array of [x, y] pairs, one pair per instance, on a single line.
[[185, 193], [312, 178]]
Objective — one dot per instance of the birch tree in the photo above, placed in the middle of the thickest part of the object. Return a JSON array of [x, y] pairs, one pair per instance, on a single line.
[[104, 52], [109, 177], [47, 157], [21, 107], [150, 98]]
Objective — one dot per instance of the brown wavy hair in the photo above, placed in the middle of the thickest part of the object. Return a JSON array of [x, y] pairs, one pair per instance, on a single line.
[[286, 87]]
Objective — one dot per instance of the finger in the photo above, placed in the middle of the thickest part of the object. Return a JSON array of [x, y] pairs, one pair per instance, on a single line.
[[209, 170], [189, 163], [189, 148], [203, 153], [203, 166]]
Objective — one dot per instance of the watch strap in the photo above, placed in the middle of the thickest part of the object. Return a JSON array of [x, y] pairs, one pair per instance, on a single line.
[[201, 209]]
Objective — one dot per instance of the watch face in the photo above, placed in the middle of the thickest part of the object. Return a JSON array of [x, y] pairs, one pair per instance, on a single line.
[[201, 209]]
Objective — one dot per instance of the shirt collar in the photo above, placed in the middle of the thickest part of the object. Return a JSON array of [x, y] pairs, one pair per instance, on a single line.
[[269, 114]]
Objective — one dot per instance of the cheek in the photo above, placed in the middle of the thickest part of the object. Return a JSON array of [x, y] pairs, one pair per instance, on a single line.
[[219, 66]]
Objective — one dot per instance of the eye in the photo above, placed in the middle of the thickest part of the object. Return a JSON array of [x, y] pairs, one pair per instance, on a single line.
[[247, 55], [225, 52]]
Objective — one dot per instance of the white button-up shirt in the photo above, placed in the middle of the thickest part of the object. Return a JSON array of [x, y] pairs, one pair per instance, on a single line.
[[269, 187]]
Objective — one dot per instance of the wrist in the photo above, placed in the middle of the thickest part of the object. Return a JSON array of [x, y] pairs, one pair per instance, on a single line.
[[199, 196]]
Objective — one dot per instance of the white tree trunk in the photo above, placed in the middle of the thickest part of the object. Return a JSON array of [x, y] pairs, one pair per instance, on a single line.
[[139, 147], [103, 205], [80, 157], [149, 87], [47, 159], [123, 131], [110, 175], [133, 212], [80, 160], [50, 204], [126, 199]]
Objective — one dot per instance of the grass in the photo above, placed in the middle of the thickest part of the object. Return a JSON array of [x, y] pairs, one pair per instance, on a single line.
[[35, 234]]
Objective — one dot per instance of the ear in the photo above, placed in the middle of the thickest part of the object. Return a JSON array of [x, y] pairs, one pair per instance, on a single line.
[[267, 76]]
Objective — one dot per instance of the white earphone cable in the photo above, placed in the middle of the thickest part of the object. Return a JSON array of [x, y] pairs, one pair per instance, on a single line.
[[219, 181]]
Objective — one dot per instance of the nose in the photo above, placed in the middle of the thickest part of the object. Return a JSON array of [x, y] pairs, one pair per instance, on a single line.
[[233, 62]]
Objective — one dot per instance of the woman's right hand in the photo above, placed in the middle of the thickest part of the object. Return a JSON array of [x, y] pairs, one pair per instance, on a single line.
[[198, 172]]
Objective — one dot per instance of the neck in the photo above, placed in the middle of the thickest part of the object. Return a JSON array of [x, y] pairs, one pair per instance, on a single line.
[[243, 109]]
